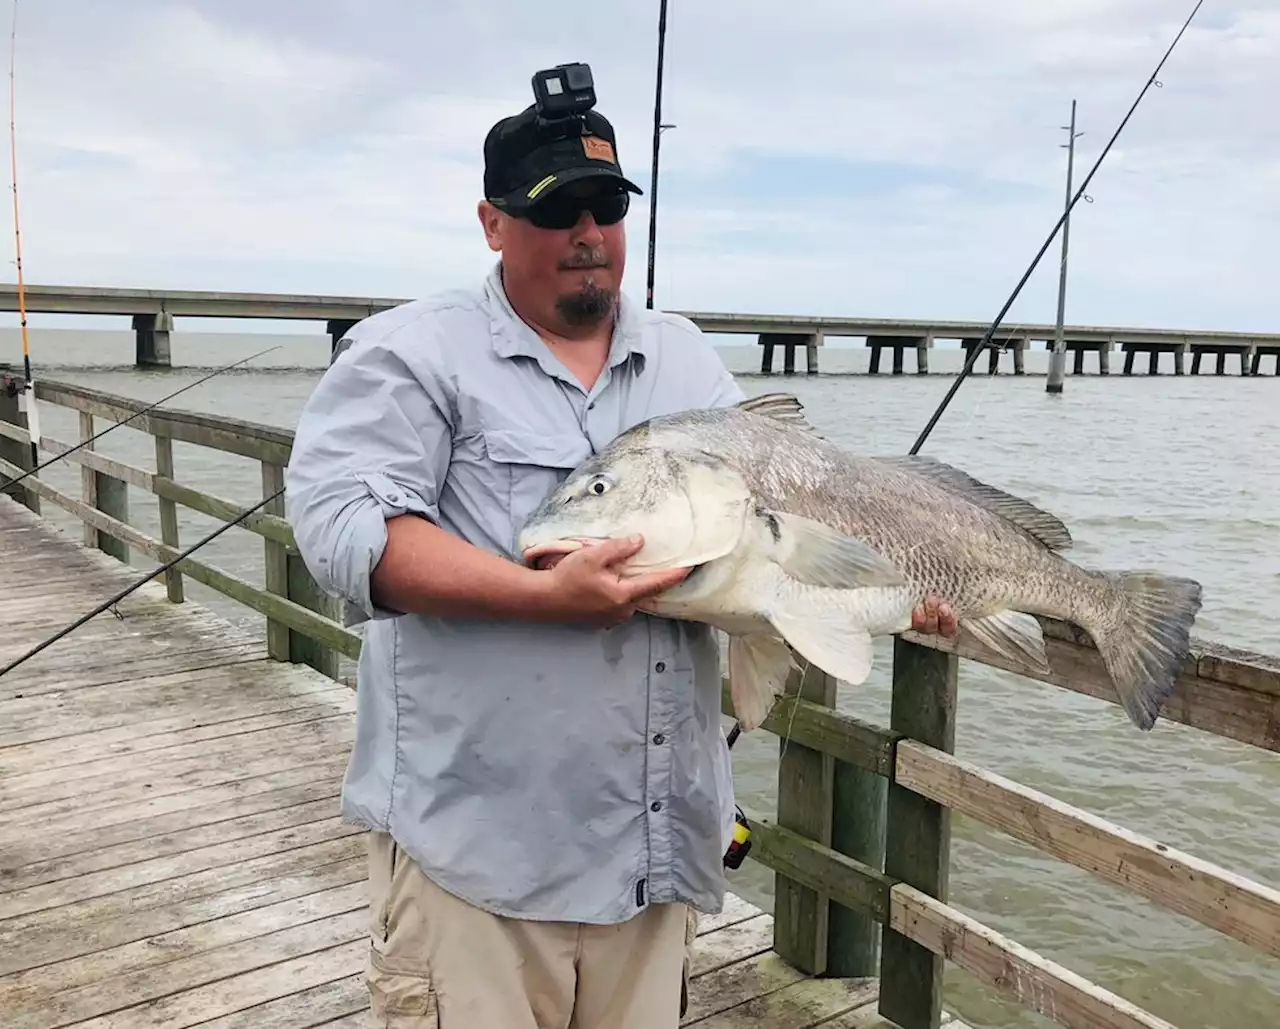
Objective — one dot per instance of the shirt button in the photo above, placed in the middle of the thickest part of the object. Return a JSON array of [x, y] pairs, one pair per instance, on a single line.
[[656, 806], [661, 666], [659, 739]]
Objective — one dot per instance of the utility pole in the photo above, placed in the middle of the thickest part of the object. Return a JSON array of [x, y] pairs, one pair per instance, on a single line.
[[657, 136], [1058, 358]]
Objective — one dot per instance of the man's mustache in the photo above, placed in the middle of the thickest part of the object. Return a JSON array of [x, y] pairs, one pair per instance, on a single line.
[[586, 259]]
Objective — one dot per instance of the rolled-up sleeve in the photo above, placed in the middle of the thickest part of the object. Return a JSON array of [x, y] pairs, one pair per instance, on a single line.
[[372, 443]]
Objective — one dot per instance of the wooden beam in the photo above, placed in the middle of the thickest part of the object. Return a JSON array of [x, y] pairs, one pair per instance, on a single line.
[[1191, 886]]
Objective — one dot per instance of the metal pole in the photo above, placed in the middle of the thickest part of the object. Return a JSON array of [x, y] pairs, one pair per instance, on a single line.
[[1058, 359], [657, 135]]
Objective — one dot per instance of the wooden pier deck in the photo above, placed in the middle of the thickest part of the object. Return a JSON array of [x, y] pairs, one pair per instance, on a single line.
[[171, 852]]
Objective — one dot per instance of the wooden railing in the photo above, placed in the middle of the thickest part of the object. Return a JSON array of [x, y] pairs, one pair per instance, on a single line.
[[861, 837]]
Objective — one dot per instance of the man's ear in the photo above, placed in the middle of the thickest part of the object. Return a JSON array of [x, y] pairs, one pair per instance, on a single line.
[[491, 220]]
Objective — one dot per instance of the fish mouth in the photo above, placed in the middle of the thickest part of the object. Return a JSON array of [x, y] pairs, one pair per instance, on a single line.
[[548, 555]]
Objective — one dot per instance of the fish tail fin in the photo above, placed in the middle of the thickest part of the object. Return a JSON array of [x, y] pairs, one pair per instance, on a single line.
[[1147, 638]]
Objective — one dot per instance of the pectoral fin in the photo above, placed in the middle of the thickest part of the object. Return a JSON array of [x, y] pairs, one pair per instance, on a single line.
[[827, 639], [758, 668], [1013, 635], [816, 555]]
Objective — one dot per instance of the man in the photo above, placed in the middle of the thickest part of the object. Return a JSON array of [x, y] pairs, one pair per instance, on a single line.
[[542, 767]]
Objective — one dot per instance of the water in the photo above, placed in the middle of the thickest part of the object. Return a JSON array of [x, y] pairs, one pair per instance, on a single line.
[[1181, 474]]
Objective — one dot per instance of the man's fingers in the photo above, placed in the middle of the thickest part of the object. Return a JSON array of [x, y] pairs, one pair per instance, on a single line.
[[933, 617], [612, 550], [642, 586]]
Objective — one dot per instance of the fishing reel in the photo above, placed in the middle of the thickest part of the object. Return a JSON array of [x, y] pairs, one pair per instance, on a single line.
[[562, 97], [737, 852]]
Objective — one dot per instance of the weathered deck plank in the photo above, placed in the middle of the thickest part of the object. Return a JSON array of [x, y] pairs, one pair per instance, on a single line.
[[171, 851]]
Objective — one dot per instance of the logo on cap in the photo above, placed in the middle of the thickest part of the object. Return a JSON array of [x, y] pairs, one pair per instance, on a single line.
[[598, 149]]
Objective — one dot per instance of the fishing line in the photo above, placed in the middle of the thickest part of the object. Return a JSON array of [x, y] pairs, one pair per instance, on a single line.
[[28, 400], [138, 414], [986, 339], [106, 604]]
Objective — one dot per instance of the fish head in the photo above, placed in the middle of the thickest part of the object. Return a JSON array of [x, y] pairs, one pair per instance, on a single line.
[[689, 504]]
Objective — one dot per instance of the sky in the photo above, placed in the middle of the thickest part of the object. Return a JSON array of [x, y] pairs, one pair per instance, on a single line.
[[895, 160]]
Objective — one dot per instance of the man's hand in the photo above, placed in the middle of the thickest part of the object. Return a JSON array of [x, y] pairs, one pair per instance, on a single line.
[[585, 587], [933, 616]]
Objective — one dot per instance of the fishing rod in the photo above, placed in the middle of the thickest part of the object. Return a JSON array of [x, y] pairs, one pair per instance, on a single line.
[[986, 339], [657, 138], [28, 400], [107, 604], [136, 414]]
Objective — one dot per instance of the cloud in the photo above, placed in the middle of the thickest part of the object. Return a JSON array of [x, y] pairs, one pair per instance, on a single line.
[[828, 158]]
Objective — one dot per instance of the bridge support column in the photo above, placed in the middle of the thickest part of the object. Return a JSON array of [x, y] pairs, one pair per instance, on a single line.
[[811, 353], [337, 328], [151, 336], [1180, 359], [766, 354], [900, 345]]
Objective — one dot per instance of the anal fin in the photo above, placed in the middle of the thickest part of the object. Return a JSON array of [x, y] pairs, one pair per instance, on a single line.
[[759, 665], [1011, 634]]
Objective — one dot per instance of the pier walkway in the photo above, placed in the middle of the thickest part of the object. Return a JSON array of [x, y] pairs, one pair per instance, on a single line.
[[171, 853]]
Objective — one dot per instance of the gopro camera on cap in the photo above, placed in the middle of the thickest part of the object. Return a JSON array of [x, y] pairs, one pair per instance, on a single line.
[[564, 92]]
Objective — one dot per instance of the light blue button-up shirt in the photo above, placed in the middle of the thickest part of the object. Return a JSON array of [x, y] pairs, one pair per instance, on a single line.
[[537, 771]]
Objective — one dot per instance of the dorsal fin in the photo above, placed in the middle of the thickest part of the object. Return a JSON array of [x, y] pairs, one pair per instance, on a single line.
[[1045, 527], [784, 407]]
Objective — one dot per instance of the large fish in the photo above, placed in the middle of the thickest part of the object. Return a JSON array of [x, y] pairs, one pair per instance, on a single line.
[[796, 541]]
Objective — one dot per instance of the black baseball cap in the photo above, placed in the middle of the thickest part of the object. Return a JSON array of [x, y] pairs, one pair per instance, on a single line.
[[524, 159]]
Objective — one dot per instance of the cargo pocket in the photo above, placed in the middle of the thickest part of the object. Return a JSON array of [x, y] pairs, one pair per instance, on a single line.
[[535, 464], [402, 993], [399, 999]]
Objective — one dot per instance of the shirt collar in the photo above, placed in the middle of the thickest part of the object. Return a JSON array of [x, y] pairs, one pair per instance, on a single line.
[[513, 337]]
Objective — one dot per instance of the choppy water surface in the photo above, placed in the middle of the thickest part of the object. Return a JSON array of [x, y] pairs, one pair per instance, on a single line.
[[1182, 474]]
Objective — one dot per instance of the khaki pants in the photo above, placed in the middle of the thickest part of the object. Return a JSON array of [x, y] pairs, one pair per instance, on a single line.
[[436, 962]]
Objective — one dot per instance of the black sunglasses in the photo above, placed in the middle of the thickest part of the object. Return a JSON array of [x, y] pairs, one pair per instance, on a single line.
[[561, 211]]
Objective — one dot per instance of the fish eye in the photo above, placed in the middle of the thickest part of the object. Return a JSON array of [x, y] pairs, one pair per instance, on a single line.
[[598, 485]]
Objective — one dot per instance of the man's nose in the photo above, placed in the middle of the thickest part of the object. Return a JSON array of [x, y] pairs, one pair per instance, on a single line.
[[586, 231]]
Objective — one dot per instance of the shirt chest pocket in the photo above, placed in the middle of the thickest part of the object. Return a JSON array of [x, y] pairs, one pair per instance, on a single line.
[[527, 466]]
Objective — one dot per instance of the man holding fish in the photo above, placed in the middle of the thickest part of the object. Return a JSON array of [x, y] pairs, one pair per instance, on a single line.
[[541, 764]]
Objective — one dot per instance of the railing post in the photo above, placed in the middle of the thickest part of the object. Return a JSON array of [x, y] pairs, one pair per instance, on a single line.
[[168, 516], [11, 390], [918, 831], [107, 494], [287, 576], [276, 577], [806, 791], [843, 807], [857, 829]]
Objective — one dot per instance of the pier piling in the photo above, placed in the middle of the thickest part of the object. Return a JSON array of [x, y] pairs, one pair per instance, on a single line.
[[151, 337]]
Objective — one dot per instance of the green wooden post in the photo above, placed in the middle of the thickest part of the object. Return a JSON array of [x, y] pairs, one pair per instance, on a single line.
[[169, 517], [918, 832], [303, 590], [287, 576], [806, 790], [277, 566], [107, 494], [857, 829], [11, 388]]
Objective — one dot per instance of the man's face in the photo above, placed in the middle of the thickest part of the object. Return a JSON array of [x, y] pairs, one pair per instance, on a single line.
[[562, 276]]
